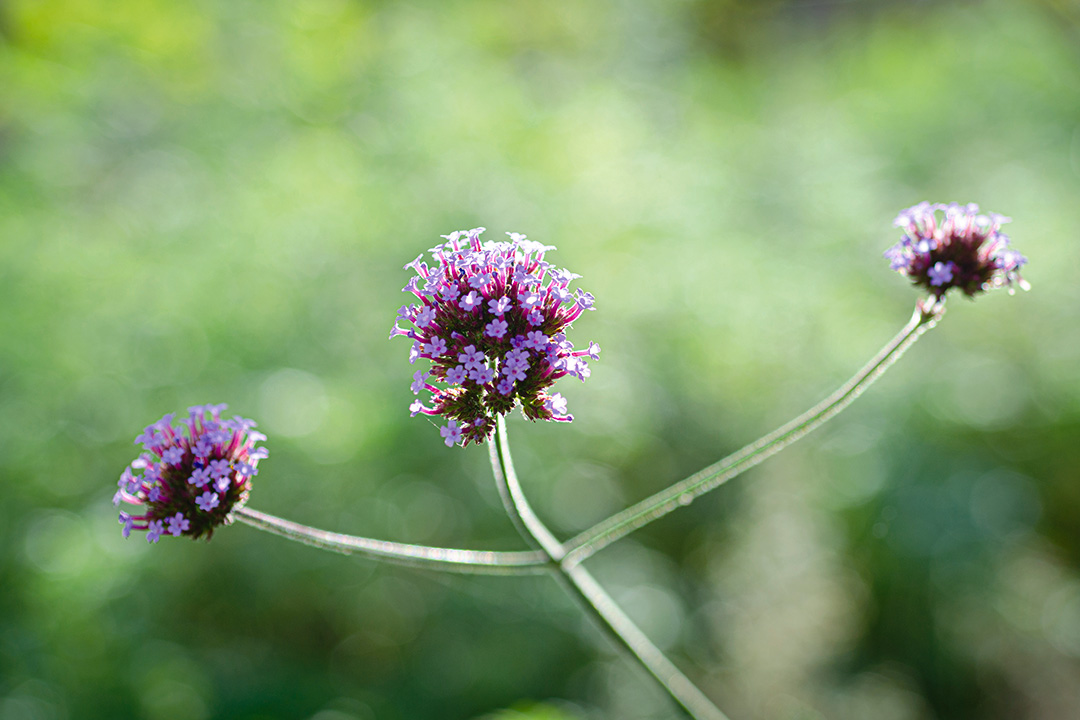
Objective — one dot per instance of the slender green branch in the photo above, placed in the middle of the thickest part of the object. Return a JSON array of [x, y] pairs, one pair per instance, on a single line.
[[417, 556], [927, 313], [594, 597], [580, 583], [517, 506]]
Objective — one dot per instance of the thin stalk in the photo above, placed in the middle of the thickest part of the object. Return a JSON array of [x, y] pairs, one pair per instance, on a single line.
[[587, 543], [580, 583], [517, 506], [476, 562]]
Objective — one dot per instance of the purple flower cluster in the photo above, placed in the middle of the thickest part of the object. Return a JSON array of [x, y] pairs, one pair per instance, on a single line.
[[947, 246], [492, 318], [192, 475]]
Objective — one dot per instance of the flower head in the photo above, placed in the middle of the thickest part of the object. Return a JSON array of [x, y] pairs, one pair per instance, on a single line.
[[954, 246], [192, 476], [491, 317]]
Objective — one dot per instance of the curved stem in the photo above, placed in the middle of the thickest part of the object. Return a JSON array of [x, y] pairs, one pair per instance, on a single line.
[[517, 506], [580, 583], [585, 544], [417, 556]]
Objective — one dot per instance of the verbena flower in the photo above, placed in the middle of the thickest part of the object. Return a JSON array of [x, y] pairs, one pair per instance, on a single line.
[[492, 319], [192, 476], [953, 246]]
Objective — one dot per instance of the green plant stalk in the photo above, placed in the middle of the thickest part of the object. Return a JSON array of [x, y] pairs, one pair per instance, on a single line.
[[580, 583], [926, 315], [474, 562]]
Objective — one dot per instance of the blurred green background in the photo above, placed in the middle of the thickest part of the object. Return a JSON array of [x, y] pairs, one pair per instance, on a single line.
[[211, 202]]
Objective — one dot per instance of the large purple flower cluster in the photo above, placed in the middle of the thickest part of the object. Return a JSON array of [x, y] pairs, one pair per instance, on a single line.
[[192, 476], [492, 318], [958, 248]]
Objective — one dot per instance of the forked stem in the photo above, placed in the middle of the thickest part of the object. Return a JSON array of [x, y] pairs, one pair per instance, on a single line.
[[550, 551], [580, 583]]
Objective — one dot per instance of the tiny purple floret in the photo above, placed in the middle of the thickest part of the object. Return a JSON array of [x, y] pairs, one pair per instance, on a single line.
[[496, 328], [208, 501], [456, 375], [451, 433], [941, 273], [178, 524]]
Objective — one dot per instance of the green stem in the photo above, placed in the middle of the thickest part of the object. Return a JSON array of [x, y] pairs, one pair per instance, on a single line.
[[587, 543], [580, 583], [517, 506], [418, 556]]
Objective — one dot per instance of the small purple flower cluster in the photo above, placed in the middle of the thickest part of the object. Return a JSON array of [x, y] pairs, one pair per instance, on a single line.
[[960, 248], [191, 481], [492, 318]]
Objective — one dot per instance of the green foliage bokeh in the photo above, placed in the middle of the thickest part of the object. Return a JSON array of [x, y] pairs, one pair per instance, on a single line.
[[211, 202]]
